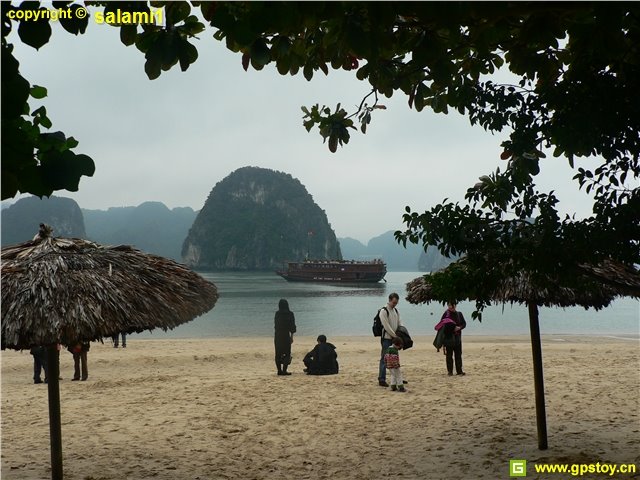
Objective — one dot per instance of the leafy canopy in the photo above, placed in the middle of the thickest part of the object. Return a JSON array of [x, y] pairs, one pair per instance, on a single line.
[[34, 160], [577, 75]]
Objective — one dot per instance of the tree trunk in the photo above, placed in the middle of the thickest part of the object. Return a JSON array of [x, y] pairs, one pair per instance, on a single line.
[[538, 376], [55, 430]]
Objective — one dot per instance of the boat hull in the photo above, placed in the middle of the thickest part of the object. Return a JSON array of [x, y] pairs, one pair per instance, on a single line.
[[334, 272], [332, 278]]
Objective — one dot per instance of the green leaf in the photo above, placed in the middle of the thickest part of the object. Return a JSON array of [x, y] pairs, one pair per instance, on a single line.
[[307, 71], [38, 92], [175, 12], [246, 60], [191, 26], [72, 142], [308, 125], [84, 165], [187, 54], [152, 68], [45, 122], [333, 143], [75, 23], [260, 54], [35, 34], [128, 34], [363, 72]]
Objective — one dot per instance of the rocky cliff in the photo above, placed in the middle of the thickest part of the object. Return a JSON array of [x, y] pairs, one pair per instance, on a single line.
[[255, 219], [432, 260]]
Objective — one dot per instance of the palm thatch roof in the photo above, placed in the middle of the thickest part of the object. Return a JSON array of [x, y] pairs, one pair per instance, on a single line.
[[585, 285], [58, 290]]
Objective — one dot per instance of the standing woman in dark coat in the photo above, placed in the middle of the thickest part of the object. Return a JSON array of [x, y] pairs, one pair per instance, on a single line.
[[285, 327], [453, 337]]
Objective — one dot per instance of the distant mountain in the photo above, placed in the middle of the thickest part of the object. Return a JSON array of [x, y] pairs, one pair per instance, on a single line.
[[256, 218], [398, 259], [432, 260], [151, 227], [383, 246], [21, 220], [353, 249]]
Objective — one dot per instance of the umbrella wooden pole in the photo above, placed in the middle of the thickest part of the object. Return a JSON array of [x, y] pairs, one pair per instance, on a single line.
[[55, 430], [538, 377]]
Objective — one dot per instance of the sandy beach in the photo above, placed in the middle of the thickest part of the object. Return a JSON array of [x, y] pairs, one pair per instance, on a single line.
[[214, 409]]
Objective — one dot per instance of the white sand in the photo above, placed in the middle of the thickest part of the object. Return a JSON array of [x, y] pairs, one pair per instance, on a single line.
[[214, 409]]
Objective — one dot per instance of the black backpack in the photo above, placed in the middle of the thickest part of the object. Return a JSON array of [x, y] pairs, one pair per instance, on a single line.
[[377, 325], [377, 328]]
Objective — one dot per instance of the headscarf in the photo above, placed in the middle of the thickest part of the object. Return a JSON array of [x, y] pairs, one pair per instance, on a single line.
[[283, 305]]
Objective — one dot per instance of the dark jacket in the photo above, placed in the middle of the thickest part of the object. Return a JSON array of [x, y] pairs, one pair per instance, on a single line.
[[438, 342], [322, 360], [451, 337], [403, 333], [284, 324], [40, 352]]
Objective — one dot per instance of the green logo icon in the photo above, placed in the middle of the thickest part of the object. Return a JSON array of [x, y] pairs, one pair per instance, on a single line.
[[517, 468]]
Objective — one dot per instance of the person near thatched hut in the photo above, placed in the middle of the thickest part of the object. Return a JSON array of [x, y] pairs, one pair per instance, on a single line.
[[39, 364], [116, 337], [285, 327], [79, 351], [453, 323]]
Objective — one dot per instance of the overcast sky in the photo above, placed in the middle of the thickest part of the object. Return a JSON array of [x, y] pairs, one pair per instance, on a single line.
[[173, 138]]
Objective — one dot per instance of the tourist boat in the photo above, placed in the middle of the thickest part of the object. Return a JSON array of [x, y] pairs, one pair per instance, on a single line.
[[334, 271]]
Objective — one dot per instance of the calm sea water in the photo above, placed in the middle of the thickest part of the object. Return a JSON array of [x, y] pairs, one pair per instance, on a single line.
[[248, 301]]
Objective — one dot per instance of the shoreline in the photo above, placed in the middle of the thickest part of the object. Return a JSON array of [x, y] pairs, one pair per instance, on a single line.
[[422, 338]]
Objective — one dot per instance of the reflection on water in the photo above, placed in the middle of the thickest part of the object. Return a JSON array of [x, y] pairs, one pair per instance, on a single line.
[[248, 301], [352, 292]]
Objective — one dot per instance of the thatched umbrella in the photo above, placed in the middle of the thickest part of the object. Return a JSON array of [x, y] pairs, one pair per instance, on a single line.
[[592, 286], [62, 291]]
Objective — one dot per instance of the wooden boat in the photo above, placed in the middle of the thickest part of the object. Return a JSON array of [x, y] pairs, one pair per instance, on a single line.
[[334, 271]]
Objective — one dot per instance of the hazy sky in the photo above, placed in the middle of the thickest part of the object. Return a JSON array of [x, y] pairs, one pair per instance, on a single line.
[[173, 138]]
